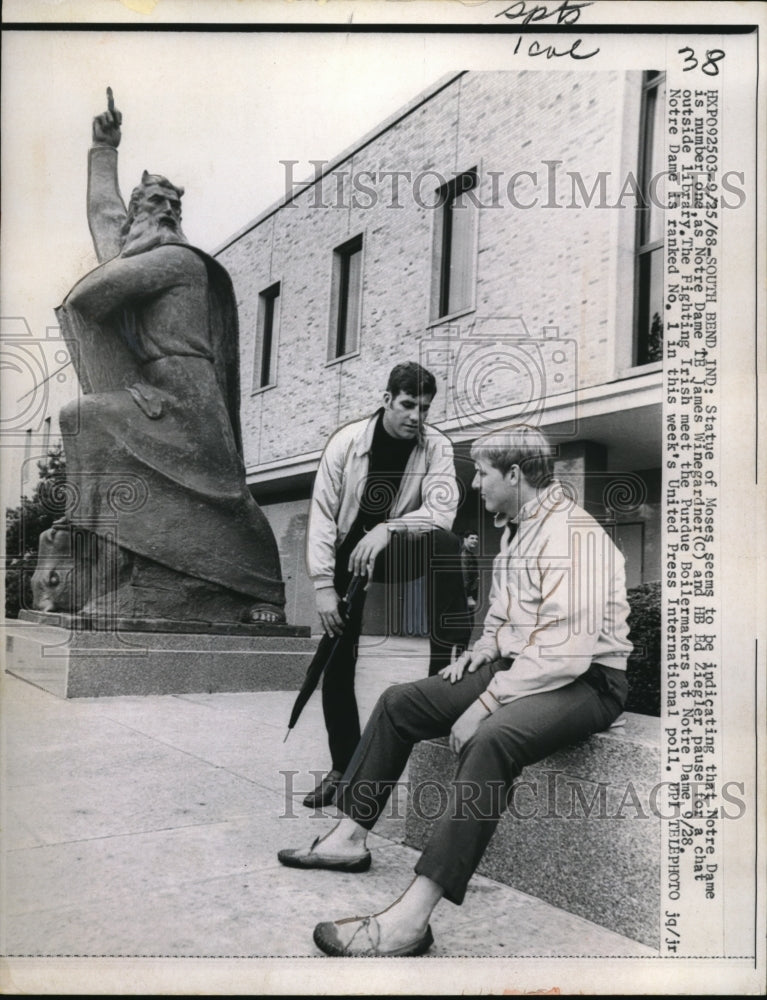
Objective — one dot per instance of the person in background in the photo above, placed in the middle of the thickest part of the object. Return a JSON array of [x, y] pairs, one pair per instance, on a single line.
[[470, 571]]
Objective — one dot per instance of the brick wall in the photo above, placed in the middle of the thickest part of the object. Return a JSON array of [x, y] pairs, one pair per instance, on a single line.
[[553, 288], [550, 266]]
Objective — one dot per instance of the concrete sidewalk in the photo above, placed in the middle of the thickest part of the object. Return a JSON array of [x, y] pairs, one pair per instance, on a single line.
[[149, 827]]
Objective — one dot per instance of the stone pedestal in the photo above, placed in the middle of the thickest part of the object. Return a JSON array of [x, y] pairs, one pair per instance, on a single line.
[[70, 658], [582, 832]]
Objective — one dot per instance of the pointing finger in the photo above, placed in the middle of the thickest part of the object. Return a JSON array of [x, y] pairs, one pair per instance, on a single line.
[[113, 113]]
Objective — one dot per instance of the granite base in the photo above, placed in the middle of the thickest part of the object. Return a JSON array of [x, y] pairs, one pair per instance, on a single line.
[[80, 622], [581, 831], [73, 663]]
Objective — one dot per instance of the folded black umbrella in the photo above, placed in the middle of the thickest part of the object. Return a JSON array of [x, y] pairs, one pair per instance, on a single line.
[[326, 650]]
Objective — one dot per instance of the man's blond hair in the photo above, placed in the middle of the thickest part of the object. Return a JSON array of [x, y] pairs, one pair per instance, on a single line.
[[521, 445]]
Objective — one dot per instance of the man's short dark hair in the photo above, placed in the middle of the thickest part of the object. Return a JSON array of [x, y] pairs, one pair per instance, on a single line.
[[519, 445], [410, 377]]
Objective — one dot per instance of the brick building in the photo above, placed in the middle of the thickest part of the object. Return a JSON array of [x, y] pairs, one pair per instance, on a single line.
[[499, 229]]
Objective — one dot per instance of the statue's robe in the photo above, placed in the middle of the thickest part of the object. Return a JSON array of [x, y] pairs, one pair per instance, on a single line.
[[153, 445]]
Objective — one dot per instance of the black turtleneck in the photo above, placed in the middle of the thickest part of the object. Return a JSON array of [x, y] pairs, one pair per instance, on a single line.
[[388, 458]]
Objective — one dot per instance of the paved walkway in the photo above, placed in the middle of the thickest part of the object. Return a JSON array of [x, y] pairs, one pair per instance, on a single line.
[[149, 827]]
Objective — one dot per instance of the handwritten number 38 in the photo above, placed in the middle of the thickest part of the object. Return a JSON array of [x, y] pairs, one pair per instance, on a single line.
[[710, 67]]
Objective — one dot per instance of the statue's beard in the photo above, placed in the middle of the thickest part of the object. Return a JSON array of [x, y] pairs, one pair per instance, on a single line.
[[147, 232]]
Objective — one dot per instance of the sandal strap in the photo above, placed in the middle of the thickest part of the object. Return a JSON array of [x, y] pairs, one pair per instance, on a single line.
[[365, 925]]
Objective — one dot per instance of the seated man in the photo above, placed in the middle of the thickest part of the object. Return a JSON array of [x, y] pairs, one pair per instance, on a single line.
[[549, 669]]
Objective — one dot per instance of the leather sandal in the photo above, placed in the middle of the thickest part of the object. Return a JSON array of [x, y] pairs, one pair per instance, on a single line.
[[364, 942], [300, 858]]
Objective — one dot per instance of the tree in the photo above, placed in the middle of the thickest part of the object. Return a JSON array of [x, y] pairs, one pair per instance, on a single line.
[[655, 340], [24, 525]]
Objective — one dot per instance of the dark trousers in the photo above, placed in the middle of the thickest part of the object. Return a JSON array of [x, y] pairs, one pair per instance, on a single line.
[[520, 733], [435, 555]]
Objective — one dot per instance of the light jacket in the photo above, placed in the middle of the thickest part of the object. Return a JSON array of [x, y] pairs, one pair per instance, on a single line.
[[557, 602], [427, 497]]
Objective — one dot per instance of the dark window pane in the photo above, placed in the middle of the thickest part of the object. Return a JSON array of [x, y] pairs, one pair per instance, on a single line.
[[454, 249], [266, 348], [268, 312], [346, 296], [650, 224], [650, 318], [653, 186]]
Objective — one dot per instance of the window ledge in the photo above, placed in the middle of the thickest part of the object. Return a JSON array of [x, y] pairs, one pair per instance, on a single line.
[[343, 357], [634, 370], [452, 317], [263, 388]]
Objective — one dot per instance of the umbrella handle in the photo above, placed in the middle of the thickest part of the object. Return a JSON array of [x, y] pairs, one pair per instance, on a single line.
[[351, 593], [314, 670]]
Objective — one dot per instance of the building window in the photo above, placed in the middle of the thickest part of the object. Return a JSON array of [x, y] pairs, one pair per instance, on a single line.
[[650, 223], [455, 231], [346, 299], [265, 367]]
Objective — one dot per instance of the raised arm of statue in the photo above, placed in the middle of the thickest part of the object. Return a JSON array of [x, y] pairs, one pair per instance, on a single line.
[[106, 209]]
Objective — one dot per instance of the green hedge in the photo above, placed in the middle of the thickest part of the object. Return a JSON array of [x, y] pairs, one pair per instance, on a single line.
[[644, 663]]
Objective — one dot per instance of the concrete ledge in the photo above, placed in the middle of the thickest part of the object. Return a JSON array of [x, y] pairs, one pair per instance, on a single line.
[[580, 832], [72, 664]]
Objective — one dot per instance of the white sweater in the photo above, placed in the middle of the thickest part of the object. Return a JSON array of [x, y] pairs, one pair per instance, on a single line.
[[427, 497], [558, 600]]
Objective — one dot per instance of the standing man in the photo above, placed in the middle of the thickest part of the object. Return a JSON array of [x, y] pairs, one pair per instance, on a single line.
[[549, 669], [385, 484], [470, 571]]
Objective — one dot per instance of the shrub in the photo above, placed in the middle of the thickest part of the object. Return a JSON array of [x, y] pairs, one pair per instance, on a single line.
[[24, 525], [643, 667]]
